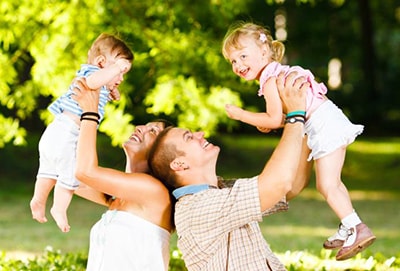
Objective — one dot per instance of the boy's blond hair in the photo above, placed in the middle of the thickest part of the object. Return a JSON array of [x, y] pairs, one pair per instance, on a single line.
[[106, 43]]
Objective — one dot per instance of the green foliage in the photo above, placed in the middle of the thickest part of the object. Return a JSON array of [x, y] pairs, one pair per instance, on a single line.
[[176, 262], [10, 131], [48, 261], [296, 261], [177, 51], [42, 44], [115, 115], [303, 261], [197, 110]]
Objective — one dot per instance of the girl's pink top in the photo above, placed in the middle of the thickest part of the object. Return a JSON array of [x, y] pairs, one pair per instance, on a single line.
[[316, 92]]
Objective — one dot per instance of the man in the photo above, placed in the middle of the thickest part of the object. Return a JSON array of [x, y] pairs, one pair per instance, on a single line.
[[218, 228]]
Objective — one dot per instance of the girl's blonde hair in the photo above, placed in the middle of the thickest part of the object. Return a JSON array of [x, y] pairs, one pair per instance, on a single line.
[[106, 43], [260, 35]]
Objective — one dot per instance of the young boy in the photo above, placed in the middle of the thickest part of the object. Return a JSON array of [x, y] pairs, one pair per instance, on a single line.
[[109, 59]]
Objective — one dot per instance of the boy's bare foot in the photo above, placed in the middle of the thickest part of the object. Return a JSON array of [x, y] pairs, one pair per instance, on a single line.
[[61, 220], [38, 210]]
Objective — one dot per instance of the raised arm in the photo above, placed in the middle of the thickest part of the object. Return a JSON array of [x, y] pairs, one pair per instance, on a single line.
[[279, 173], [138, 187], [105, 75], [90, 194], [303, 173]]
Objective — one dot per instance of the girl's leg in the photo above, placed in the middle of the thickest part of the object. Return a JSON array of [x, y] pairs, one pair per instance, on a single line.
[[329, 184], [328, 180], [353, 236], [43, 186]]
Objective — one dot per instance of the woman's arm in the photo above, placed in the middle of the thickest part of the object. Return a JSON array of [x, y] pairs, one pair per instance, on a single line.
[[91, 194], [133, 186]]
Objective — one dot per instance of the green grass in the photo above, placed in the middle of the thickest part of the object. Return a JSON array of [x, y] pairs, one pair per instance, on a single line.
[[371, 173], [19, 232]]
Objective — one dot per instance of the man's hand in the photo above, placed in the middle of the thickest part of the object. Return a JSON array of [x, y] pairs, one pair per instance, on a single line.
[[87, 98], [293, 92]]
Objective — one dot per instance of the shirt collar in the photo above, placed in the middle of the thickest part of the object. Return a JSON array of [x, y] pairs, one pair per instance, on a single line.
[[190, 189]]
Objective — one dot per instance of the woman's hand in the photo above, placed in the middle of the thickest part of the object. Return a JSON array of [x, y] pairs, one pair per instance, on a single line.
[[88, 99]]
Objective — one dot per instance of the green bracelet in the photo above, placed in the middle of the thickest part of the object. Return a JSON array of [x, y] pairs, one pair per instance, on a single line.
[[296, 113]]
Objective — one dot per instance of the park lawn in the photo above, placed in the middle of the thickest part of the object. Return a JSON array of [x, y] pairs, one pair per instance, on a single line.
[[371, 173], [20, 233]]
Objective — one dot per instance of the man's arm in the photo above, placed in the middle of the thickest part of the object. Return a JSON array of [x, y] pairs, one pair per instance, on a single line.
[[301, 180], [303, 172], [278, 175]]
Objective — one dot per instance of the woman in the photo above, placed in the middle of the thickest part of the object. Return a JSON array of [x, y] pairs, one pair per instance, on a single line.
[[134, 233]]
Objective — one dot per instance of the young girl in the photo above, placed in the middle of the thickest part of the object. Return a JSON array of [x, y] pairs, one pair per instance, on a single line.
[[254, 55], [109, 59]]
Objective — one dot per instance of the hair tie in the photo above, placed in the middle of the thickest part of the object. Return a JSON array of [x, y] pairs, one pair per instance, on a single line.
[[263, 37], [94, 114]]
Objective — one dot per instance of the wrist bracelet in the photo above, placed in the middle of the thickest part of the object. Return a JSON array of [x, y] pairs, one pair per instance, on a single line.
[[296, 113], [95, 120], [292, 120], [95, 114]]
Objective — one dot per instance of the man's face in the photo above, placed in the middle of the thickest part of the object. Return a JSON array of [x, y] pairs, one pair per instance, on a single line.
[[198, 151]]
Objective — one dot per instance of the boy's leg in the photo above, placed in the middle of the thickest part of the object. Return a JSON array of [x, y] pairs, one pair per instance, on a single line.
[[62, 199], [43, 186]]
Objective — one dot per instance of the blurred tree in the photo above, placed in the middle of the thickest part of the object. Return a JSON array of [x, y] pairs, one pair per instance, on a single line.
[[179, 71], [41, 46]]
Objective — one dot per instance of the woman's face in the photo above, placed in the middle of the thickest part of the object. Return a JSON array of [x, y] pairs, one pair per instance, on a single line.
[[142, 138]]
